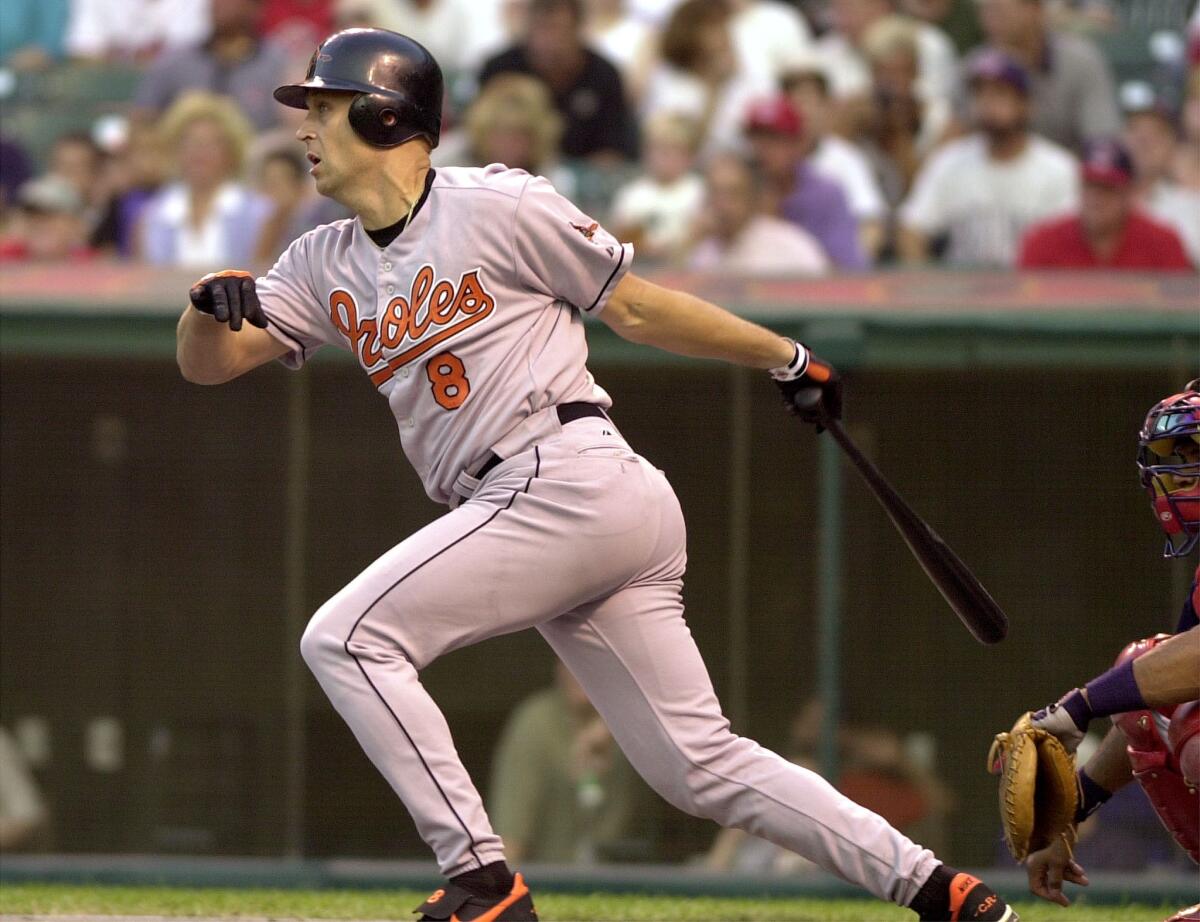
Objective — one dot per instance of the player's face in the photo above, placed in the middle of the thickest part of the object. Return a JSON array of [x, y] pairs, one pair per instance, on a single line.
[[337, 156]]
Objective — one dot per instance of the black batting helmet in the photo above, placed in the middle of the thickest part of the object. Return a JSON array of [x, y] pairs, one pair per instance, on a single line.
[[396, 82]]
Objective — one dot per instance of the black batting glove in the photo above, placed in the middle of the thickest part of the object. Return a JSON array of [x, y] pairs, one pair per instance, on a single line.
[[811, 388], [230, 297]]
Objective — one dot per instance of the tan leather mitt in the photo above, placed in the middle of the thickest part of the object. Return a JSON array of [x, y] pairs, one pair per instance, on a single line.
[[1038, 795]]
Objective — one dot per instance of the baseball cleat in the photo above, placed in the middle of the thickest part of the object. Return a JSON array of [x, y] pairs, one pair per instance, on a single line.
[[971, 900], [454, 904]]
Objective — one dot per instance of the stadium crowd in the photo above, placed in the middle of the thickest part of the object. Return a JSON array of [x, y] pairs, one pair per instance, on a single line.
[[752, 136]]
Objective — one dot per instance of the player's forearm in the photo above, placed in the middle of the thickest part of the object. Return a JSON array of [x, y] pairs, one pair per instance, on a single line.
[[205, 350], [1109, 764], [1170, 673], [686, 325]]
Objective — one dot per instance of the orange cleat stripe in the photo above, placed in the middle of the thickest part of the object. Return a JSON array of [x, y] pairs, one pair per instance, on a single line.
[[519, 890]]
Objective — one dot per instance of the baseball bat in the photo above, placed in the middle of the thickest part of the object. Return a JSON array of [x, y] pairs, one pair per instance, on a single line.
[[958, 585]]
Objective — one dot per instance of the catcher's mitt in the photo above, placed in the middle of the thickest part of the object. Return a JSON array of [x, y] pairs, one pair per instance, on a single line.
[[1038, 796]]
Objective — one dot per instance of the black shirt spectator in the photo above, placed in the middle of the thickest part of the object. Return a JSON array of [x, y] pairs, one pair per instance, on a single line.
[[587, 89]]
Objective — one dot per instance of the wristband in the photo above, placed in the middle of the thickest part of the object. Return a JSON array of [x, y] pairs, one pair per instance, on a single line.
[[793, 369], [1115, 692], [1091, 796]]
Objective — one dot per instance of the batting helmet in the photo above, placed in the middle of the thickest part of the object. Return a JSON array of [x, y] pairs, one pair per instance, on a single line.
[[397, 85], [1169, 467]]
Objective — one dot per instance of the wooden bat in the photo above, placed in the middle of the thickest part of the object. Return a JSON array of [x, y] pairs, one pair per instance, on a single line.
[[971, 602]]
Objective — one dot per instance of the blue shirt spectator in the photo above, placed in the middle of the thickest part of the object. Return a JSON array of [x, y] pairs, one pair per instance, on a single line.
[[32, 33]]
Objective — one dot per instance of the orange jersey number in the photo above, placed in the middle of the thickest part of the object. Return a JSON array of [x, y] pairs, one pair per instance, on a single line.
[[449, 379]]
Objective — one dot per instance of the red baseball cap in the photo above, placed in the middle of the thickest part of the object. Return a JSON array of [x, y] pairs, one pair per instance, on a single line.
[[773, 115], [1106, 161]]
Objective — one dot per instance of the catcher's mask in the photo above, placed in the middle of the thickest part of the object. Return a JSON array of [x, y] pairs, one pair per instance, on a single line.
[[1169, 467]]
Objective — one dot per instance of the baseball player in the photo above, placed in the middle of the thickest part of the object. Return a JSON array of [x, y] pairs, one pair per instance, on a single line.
[[1152, 691], [462, 294]]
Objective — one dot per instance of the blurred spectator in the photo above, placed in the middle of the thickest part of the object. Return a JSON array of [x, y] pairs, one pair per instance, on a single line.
[[959, 19], [806, 87], [514, 122], [234, 62], [737, 236], [587, 89], [204, 219], [134, 30], [847, 69], [79, 160], [1109, 232], [982, 191], [900, 129], [23, 813], [306, 21], [282, 177], [33, 33], [700, 75], [135, 170], [793, 187], [561, 790], [1186, 168], [452, 30], [49, 226], [767, 34], [657, 210], [1074, 97], [1153, 142], [15, 171], [622, 38]]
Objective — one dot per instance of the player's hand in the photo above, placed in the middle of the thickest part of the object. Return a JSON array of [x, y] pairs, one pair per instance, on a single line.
[[230, 297], [1048, 868], [811, 388], [1058, 719]]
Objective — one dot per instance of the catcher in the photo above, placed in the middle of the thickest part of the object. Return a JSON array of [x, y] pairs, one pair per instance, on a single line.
[[1151, 693]]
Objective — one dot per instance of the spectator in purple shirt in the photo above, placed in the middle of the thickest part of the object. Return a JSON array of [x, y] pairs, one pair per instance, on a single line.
[[793, 189]]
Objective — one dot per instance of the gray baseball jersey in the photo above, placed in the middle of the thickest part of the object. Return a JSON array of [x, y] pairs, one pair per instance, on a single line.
[[468, 322]]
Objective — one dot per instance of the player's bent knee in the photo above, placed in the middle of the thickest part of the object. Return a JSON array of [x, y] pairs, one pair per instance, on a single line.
[[321, 643]]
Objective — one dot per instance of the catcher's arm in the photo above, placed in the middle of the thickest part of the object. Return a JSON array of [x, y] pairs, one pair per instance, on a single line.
[[1168, 674]]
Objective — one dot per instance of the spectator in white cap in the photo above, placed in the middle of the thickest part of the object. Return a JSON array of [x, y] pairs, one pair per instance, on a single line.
[[1152, 135], [981, 192], [50, 225]]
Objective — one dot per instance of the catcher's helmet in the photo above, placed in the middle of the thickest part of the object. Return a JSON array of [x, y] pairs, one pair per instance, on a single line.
[[1169, 467], [396, 82]]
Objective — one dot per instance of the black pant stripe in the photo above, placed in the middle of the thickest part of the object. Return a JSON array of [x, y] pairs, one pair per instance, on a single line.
[[346, 644]]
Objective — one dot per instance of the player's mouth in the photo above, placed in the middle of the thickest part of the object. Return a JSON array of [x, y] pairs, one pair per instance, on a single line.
[[314, 160]]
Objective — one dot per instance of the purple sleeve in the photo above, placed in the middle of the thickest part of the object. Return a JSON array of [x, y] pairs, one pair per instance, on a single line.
[[819, 206], [561, 252]]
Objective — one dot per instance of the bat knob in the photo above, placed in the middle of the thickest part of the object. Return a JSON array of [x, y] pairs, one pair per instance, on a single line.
[[807, 398]]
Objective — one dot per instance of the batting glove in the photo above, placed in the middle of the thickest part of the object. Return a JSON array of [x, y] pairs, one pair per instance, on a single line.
[[811, 387], [230, 297]]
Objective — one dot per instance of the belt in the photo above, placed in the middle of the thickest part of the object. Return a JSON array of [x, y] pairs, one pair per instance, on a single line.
[[567, 413]]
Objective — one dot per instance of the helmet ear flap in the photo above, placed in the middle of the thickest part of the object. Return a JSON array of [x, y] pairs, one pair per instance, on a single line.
[[377, 119]]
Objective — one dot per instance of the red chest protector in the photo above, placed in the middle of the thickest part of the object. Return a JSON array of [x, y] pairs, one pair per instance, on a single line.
[[1157, 762]]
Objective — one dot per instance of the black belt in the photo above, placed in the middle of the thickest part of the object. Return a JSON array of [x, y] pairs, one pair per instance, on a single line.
[[567, 413]]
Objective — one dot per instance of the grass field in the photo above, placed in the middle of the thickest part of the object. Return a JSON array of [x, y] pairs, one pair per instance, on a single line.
[[51, 899]]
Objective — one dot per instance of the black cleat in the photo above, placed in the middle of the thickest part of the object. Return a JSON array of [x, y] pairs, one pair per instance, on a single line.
[[971, 900], [454, 904]]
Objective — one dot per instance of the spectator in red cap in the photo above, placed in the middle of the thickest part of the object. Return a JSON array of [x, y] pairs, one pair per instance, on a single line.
[[1108, 232], [793, 189], [981, 192]]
